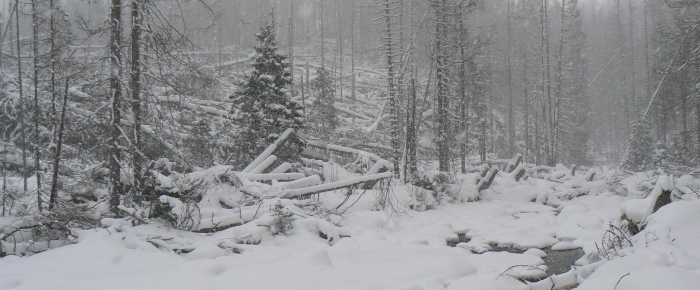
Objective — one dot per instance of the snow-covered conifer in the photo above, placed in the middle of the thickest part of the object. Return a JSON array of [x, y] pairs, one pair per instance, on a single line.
[[323, 115], [678, 151], [641, 148], [263, 106]]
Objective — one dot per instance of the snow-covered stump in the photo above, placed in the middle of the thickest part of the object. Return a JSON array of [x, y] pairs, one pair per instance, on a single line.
[[664, 197], [636, 211], [590, 175]]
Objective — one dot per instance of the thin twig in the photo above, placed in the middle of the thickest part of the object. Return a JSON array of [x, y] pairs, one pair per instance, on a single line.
[[618, 281]]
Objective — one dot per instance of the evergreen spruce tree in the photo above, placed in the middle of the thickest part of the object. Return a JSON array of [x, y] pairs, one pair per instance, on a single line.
[[641, 148], [660, 157], [678, 151], [200, 144], [263, 106], [323, 111]]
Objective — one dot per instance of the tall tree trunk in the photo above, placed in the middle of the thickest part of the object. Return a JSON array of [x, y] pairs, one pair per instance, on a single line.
[[646, 51], [303, 99], [2, 37], [136, 142], [323, 58], [340, 50], [526, 100], [219, 42], [52, 60], [292, 30], [37, 110], [547, 108], [462, 94], [558, 93], [4, 177], [411, 134], [21, 101], [442, 85], [625, 69], [511, 118], [391, 58], [352, 50], [115, 93], [632, 72], [57, 157]]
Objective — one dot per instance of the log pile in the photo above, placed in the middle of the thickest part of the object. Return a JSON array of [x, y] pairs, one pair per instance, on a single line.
[[298, 185]]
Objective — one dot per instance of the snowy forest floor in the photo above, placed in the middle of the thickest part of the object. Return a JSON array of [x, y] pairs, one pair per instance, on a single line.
[[397, 249]]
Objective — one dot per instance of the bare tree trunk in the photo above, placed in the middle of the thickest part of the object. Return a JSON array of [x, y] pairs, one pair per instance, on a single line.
[[291, 43], [303, 97], [340, 51], [511, 118], [57, 157], [547, 110], [442, 85], [625, 69], [392, 83], [697, 127], [558, 95], [352, 50], [635, 101], [646, 51], [526, 101], [4, 177], [21, 100], [411, 134], [2, 37], [323, 58], [115, 95], [136, 142], [37, 110], [464, 99], [52, 61]]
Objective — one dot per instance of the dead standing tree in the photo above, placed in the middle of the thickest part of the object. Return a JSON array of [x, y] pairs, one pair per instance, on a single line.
[[392, 48], [115, 94]]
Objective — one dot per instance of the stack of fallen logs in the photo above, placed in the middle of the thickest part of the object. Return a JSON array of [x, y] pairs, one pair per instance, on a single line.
[[297, 185]]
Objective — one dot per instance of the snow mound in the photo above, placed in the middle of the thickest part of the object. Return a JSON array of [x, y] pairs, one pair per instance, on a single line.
[[487, 281], [665, 255], [637, 210], [206, 252], [561, 246]]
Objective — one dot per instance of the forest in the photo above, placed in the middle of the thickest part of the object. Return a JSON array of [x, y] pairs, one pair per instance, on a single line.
[[209, 129]]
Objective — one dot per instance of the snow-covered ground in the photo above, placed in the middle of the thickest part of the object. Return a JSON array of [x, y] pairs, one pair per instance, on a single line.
[[390, 249]]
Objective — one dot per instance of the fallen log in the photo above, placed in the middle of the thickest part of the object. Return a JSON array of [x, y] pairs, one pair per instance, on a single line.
[[514, 163], [519, 172], [282, 168], [268, 151], [301, 192], [264, 165], [486, 181], [271, 176]]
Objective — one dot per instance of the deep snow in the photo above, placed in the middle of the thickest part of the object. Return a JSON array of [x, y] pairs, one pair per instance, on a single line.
[[389, 250]]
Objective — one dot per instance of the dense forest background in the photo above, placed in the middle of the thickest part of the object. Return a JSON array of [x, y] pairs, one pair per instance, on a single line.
[[108, 88]]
